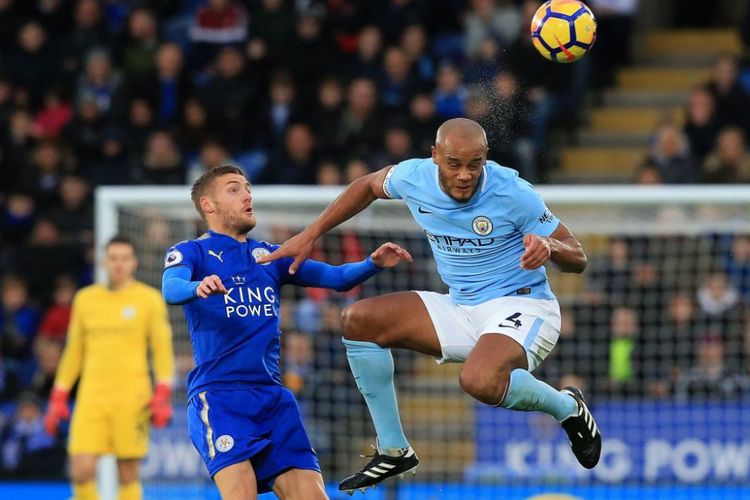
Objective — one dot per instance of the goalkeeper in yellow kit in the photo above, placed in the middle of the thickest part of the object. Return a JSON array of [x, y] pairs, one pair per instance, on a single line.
[[112, 328]]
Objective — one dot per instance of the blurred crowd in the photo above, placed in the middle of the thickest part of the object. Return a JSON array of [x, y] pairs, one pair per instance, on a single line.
[[144, 92], [709, 144]]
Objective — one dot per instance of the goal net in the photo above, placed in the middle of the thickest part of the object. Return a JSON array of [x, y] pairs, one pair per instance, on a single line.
[[655, 332]]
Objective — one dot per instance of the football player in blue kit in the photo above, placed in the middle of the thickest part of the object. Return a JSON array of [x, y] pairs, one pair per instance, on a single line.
[[243, 422], [490, 234]]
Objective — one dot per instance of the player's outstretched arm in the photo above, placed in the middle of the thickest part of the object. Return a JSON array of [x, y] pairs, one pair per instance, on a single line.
[[346, 276], [561, 247], [355, 198], [178, 289]]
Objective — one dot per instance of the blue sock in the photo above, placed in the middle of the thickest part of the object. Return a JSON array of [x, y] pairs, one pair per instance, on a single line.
[[372, 367], [526, 393]]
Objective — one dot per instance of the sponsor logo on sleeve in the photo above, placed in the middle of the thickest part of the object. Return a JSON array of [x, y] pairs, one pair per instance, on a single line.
[[173, 258], [546, 217]]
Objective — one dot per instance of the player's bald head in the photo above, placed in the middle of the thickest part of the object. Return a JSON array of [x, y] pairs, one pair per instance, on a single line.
[[460, 128]]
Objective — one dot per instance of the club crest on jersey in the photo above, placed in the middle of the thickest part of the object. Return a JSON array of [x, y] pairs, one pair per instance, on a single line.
[[482, 225], [128, 312], [224, 443], [260, 252], [173, 258]]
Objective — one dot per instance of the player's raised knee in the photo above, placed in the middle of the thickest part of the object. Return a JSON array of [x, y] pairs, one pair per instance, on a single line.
[[487, 386], [354, 322]]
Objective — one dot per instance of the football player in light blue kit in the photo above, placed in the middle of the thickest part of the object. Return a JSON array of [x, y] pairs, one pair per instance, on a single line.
[[244, 423], [491, 234]]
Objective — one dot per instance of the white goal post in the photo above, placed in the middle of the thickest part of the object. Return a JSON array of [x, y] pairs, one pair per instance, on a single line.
[[581, 198]]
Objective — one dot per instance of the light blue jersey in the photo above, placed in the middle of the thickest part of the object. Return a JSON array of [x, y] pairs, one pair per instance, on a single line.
[[477, 244]]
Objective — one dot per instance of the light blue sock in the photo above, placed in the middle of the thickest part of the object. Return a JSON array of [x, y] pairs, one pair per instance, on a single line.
[[372, 367], [527, 393]]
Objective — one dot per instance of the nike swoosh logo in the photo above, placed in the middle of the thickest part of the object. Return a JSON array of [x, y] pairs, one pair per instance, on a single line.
[[423, 211]]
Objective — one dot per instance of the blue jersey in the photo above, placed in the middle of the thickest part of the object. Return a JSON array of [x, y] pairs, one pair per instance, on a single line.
[[477, 244], [236, 336]]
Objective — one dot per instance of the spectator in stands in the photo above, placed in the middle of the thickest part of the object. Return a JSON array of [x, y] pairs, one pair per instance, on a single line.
[[273, 23], [47, 353], [276, 111], [701, 126], [670, 154], [328, 174], [450, 94], [396, 80], [732, 102], [217, 23], [624, 367], [296, 361], [56, 317], [709, 380], [395, 15], [729, 162], [101, 83], [18, 217], [26, 450], [314, 54], [485, 64], [397, 145], [229, 98], [354, 170], [212, 154], [170, 87], [194, 126], [611, 274], [488, 19], [140, 124], [85, 133], [19, 321], [89, 31], [359, 131], [138, 53], [32, 62], [737, 265], [509, 128], [614, 34], [298, 162], [56, 112], [327, 112], [366, 61], [648, 175], [73, 213], [414, 43], [16, 141], [162, 161], [423, 121], [574, 353], [718, 301], [10, 385], [42, 176]]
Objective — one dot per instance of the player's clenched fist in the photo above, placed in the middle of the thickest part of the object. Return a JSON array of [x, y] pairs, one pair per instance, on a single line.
[[389, 255], [538, 251], [210, 285]]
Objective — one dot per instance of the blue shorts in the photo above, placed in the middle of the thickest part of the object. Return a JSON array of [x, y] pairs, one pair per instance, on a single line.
[[260, 424]]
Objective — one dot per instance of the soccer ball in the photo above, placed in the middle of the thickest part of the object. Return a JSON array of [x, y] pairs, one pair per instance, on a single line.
[[563, 30]]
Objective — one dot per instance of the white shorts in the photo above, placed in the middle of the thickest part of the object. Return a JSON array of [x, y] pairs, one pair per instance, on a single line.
[[533, 323]]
